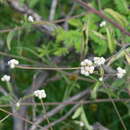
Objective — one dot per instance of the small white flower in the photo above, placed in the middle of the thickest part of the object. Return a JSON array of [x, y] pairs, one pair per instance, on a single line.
[[102, 24], [18, 104], [40, 94], [5, 78], [30, 19], [81, 124], [99, 61], [12, 63], [87, 67], [120, 72], [101, 79]]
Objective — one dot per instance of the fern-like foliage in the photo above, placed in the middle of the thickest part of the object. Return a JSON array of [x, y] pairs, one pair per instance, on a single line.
[[122, 6]]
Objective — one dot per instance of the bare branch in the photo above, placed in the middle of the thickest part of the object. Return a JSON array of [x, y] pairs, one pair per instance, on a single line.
[[58, 108], [64, 117]]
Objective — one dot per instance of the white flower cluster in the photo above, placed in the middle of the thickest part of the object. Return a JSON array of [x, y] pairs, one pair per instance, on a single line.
[[5, 78], [99, 61], [12, 63], [40, 94], [102, 24], [30, 19], [87, 67], [120, 72]]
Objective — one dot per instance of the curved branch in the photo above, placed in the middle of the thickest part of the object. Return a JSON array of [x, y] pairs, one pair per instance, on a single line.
[[101, 14], [58, 108], [62, 118]]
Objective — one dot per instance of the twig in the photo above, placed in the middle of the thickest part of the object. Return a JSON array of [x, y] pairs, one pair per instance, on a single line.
[[58, 108], [46, 68], [116, 110], [4, 118], [71, 103], [63, 117], [44, 108], [16, 115]]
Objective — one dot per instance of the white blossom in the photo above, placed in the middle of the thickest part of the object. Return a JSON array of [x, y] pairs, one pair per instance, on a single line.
[[5, 78], [101, 79], [81, 123], [18, 104], [30, 19], [40, 94], [12, 63], [102, 24], [99, 61], [120, 72], [87, 67]]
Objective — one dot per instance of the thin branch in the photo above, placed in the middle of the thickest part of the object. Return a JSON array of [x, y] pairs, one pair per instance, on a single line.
[[46, 68], [115, 108], [4, 118], [60, 107], [127, 100], [16, 115], [63, 117]]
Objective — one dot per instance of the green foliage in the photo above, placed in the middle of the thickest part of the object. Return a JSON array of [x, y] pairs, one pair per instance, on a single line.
[[100, 44], [121, 6], [9, 39], [117, 16], [74, 40], [111, 40], [71, 38]]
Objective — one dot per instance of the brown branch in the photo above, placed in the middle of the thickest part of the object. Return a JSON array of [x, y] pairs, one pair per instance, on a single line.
[[63, 117], [71, 103], [60, 107], [22, 118], [101, 14]]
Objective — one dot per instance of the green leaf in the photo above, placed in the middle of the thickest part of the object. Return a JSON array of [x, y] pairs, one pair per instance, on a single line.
[[75, 22], [99, 45], [32, 3], [5, 99], [111, 41], [85, 120], [71, 38], [77, 113], [117, 83], [94, 91], [122, 6], [117, 16], [61, 51], [9, 39]]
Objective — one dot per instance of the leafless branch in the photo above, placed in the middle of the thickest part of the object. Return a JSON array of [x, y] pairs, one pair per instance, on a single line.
[[63, 117], [58, 108]]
